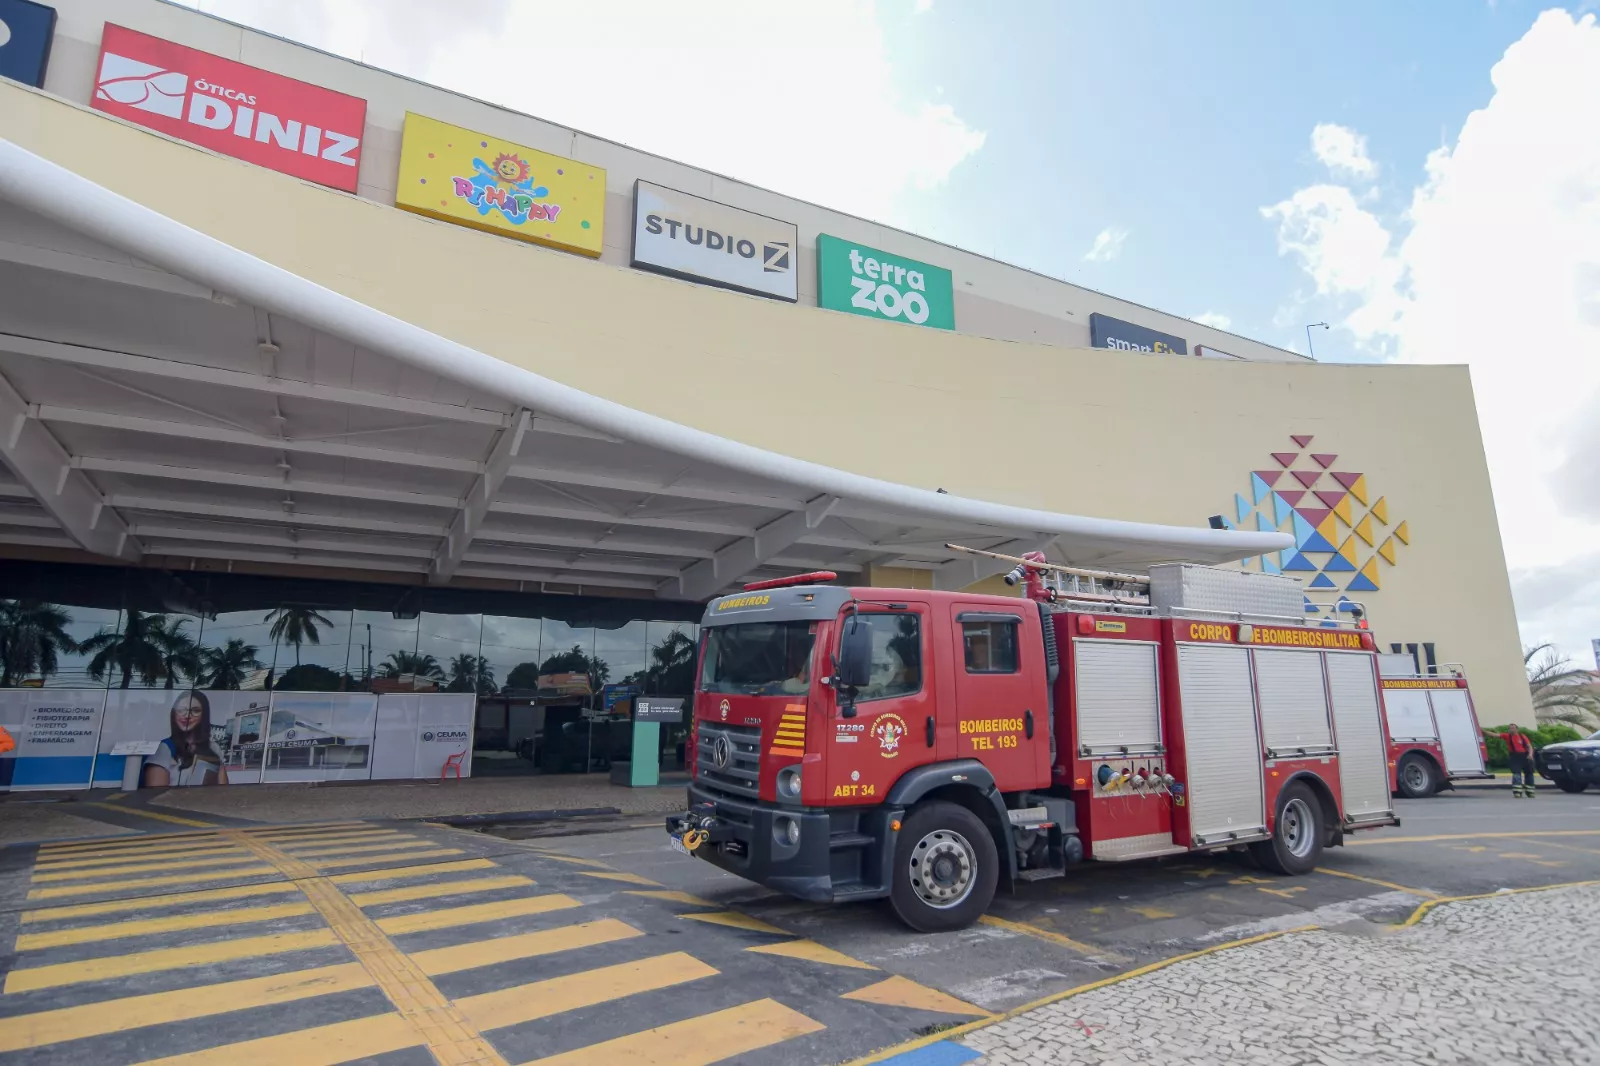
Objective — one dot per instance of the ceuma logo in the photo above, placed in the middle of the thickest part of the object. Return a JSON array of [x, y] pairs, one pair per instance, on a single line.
[[427, 736], [431, 735]]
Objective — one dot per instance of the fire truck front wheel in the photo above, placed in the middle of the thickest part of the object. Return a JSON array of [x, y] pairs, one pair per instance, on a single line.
[[945, 868], [1297, 833]]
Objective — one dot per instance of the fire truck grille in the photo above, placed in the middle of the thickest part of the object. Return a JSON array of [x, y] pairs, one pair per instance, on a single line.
[[741, 775]]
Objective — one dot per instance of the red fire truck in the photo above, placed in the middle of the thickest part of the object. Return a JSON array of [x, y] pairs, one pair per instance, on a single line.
[[859, 743], [1433, 726]]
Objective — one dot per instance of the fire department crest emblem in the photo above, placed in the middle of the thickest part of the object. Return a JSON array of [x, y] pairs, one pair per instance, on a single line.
[[889, 729], [723, 710]]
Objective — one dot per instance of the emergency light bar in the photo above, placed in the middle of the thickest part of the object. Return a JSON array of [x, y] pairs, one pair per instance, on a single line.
[[816, 577]]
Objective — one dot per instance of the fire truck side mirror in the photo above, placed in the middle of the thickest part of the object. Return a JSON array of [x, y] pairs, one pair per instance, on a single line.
[[855, 656]]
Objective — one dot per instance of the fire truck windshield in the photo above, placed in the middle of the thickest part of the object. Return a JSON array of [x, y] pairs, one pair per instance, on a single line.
[[758, 659]]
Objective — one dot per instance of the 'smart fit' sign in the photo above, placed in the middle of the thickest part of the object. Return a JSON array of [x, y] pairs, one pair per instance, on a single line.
[[865, 281]]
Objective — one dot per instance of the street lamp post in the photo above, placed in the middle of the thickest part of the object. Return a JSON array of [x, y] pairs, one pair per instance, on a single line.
[[1311, 350]]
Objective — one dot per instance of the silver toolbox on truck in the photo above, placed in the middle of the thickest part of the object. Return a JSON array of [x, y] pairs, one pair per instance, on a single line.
[[1186, 588]]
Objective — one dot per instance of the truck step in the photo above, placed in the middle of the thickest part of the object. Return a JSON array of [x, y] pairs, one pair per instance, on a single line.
[[840, 841], [1151, 853], [1039, 875], [1029, 815]]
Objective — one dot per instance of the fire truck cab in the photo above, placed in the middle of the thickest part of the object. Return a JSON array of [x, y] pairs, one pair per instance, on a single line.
[[1433, 726], [859, 743]]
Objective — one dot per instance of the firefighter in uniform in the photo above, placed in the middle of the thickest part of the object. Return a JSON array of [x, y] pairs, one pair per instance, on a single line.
[[1520, 749]]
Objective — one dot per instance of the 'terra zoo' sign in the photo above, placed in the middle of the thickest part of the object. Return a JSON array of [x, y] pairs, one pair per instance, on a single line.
[[864, 281], [238, 110], [473, 179], [1108, 332], [701, 240]]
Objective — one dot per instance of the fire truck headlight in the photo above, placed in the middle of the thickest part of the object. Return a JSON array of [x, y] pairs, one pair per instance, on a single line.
[[786, 831], [789, 784]]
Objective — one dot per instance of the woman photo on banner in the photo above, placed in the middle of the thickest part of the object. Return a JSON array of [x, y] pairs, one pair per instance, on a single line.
[[187, 757]]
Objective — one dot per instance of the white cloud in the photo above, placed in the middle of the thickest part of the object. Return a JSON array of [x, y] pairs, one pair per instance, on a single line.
[[1499, 267], [1343, 151], [1107, 245], [721, 84], [924, 6], [1213, 319]]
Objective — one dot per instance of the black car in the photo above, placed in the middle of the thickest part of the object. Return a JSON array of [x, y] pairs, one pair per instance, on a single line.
[[1573, 765]]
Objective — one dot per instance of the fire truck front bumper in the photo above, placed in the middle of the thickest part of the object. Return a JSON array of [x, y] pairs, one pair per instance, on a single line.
[[802, 851]]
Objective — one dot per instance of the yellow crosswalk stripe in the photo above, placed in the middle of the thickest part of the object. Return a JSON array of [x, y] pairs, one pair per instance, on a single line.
[[273, 832], [360, 849], [206, 920], [133, 840], [295, 844], [34, 978], [184, 1004], [397, 872], [697, 1041], [161, 1008], [58, 891], [142, 868], [106, 857], [480, 912], [444, 888], [432, 853], [625, 878], [557, 995], [140, 903], [145, 812], [322, 1045]]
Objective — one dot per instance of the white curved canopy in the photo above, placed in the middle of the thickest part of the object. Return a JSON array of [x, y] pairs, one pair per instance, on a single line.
[[165, 395]]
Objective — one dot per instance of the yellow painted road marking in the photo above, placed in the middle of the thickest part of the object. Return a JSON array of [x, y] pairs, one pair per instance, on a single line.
[[1423, 892], [900, 991], [1139, 971], [218, 921], [1283, 893], [184, 1004], [108, 967], [574, 860], [737, 920], [557, 995], [450, 1037], [322, 1045], [697, 1041], [106, 857], [450, 917], [523, 946], [145, 812], [1155, 914], [397, 872], [447, 888], [304, 827], [1424, 908], [811, 951], [675, 897], [135, 840], [298, 845], [397, 844], [1472, 836], [365, 860], [627, 879], [148, 882], [1566, 847], [139, 903], [1028, 929], [142, 868]]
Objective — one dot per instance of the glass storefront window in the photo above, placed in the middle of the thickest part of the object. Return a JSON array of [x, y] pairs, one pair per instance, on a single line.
[[453, 643]]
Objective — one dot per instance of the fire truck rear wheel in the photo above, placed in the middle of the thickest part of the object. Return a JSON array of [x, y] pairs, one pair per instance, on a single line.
[[1297, 833], [945, 868], [1417, 777]]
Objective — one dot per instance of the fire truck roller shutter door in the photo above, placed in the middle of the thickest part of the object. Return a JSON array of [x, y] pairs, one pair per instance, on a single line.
[[1409, 717], [1118, 700], [1294, 702], [1457, 730], [1363, 755], [1223, 750]]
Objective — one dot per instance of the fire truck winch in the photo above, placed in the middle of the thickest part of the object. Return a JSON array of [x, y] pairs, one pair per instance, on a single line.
[[860, 743]]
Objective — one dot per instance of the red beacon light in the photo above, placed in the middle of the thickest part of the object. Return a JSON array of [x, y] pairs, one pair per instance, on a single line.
[[816, 577]]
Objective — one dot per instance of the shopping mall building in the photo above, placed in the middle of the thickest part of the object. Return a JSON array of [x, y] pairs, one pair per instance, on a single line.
[[317, 379]]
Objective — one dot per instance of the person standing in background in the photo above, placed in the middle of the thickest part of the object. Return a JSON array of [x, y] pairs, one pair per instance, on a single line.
[[1520, 749]]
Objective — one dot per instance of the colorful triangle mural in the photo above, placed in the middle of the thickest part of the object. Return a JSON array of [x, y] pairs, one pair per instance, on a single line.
[[1342, 508], [1292, 496], [1330, 497], [1270, 564], [1326, 527], [1241, 508], [1284, 459], [1308, 539], [1363, 529], [1380, 510], [1259, 489], [1403, 532], [1306, 477], [1322, 581], [1323, 459], [1300, 562], [1356, 483], [1269, 476], [1280, 509], [1367, 579], [1301, 439], [1347, 551], [1386, 549]]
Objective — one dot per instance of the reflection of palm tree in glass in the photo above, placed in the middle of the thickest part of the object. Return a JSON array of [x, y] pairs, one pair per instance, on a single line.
[[129, 651], [32, 637], [577, 661], [471, 673], [410, 662], [671, 669], [179, 652], [296, 626], [228, 666]]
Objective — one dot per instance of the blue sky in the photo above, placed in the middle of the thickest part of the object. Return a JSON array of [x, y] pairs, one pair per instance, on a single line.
[[1424, 175]]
